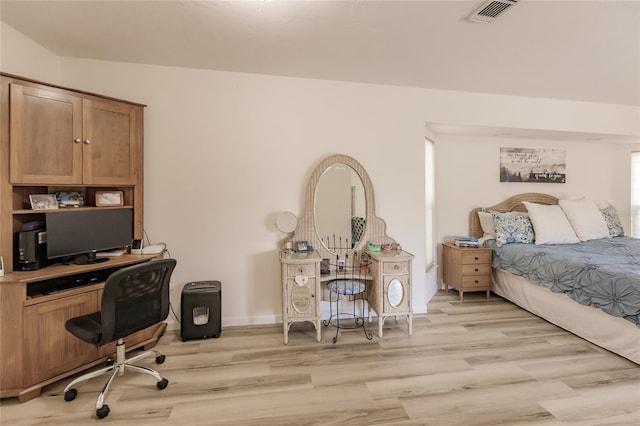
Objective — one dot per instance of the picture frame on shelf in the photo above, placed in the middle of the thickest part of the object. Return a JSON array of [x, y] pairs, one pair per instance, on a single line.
[[43, 201], [70, 199], [109, 198]]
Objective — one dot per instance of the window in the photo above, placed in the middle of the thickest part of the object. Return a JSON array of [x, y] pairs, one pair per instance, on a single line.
[[635, 194], [429, 185]]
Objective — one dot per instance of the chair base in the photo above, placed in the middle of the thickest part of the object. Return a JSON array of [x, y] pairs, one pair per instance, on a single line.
[[121, 365], [342, 320]]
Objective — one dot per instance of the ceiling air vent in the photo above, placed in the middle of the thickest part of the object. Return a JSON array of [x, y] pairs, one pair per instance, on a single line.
[[489, 10]]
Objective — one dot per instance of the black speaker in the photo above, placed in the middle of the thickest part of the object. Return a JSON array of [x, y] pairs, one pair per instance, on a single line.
[[201, 310]]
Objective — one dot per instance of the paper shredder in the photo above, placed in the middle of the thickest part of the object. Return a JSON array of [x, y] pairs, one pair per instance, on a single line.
[[201, 310]]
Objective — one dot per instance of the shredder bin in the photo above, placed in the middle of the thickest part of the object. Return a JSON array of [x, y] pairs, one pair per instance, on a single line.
[[201, 310]]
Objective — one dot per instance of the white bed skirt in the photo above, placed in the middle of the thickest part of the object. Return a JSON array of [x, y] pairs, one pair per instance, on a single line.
[[614, 334]]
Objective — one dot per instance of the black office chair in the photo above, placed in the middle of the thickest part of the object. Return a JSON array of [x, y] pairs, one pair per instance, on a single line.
[[134, 298]]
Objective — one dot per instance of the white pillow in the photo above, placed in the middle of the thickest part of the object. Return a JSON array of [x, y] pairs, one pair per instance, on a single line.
[[585, 218], [550, 224], [487, 225]]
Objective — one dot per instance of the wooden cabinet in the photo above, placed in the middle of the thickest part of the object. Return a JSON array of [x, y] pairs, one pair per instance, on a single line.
[[111, 135], [390, 294], [300, 291], [35, 347], [466, 269], [55, 139], [50, 350], [44, 124]]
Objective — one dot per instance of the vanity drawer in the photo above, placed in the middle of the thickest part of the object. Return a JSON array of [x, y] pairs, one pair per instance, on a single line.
[[395, 267], [481, 269], [293, 270], [475, 257]]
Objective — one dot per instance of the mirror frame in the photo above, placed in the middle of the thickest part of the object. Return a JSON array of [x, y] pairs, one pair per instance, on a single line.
[[375, 228]]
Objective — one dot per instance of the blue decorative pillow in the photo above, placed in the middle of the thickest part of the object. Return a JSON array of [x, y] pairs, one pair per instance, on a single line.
[[610, 215], [512, 228]]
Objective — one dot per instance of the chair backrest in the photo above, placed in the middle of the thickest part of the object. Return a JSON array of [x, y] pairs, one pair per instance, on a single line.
[[134, 298]]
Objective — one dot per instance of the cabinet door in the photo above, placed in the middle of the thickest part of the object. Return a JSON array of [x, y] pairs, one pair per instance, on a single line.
[[46, 127], [50, 349], [110, 140], [301, 299], [396, 294]]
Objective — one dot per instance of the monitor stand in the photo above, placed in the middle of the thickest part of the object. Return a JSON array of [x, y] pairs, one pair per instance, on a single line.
[[86, 259]]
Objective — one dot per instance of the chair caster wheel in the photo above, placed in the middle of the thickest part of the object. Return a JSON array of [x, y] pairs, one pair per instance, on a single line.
[[70, 395], [102, 412], [160, 359], [162, 384], [110, 362]]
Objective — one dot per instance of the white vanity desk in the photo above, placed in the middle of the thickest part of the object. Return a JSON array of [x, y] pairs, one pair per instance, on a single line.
[[388, 280]]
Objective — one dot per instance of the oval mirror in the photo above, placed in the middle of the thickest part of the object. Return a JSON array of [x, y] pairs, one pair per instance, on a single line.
[[395, 292], [286, 222], [340, 208], [301, 298]]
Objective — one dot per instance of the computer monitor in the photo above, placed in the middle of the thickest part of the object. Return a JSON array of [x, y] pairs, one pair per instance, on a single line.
[[76, 236]]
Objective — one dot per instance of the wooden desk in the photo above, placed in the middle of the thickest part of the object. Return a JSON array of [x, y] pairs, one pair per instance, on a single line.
[[35, 347]]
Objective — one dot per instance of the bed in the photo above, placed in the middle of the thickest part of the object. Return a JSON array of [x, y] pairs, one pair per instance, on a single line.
[[599, 301]]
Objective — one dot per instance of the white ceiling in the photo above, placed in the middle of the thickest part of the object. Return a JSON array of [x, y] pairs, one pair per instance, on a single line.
[[571, 49]]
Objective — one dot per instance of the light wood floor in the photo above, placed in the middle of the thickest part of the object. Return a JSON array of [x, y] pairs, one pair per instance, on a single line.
[[474, 363]]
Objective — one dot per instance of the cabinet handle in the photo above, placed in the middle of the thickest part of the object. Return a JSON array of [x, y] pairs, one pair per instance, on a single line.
[[77, 140], [477, 269], [476, 258], [301, 270], [87, 141], [396, 267]]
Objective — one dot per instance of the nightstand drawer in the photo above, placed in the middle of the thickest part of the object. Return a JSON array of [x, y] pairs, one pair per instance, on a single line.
[[476, 281], [476, 257], [293, 270], [395, 267], [480, 269]]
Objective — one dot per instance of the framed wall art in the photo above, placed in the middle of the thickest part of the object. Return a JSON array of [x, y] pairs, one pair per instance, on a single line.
[[533, 165]]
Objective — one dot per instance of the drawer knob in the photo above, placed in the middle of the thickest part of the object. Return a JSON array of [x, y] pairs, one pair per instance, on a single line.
[[477, 258], [477, 281], [477, 269], [396, 267]]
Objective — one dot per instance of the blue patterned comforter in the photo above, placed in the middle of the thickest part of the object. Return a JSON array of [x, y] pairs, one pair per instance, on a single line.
[[601, 273]]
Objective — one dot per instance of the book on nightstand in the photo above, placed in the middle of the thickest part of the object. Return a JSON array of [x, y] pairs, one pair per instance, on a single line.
[[466, 242]]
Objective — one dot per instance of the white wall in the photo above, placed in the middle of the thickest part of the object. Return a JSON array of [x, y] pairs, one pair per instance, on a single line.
[[225, 152], [594, 170], [22, 56]]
